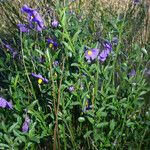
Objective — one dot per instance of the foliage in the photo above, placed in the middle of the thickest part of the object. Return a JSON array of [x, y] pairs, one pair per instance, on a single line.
[[84, 105]]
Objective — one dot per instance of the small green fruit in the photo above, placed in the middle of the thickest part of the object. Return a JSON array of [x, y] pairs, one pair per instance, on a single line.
[[81, 119]]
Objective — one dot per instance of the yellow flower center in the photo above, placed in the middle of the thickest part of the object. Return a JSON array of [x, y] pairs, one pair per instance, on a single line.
[[55, 74], [50, 45], [89, 52], [40, 81], [87, 104], [32, 17]]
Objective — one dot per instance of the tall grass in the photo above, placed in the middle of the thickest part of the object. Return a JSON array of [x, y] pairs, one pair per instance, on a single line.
[[85, 105], [138, 17]]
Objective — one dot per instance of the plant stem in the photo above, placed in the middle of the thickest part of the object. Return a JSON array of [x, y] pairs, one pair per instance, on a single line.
[[57, 110], [26, 71]]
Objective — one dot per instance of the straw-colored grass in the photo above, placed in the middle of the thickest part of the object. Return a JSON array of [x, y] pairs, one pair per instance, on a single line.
[[10, 14]]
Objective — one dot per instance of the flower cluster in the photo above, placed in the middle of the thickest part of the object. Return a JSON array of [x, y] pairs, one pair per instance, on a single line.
[[34, 18], [94, 53], [5, 104]]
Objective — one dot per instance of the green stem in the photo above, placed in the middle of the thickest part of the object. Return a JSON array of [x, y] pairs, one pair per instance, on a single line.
[[64, 138], [26, 72], [97, 78], [54, 98], [117, 50], [71, 136], [143, 138]]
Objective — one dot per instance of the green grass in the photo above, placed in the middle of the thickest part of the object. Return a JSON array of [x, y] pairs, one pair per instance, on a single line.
[[119, 117]]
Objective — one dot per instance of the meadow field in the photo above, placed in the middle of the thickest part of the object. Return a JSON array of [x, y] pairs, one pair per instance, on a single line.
[[75, 74]]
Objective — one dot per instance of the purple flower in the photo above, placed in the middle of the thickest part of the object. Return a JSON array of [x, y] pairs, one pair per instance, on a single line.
[[26, 9], [55, 23], [107, 49], [33, 16], [52, 43], [103, 55], [25, 126], [40, 78], [55, 63], [14, 54], [87, 105], [107, 46], [91, 54], [115, 41], [37, 18], [8, 47], [136, 1], [5, 104], [132, 73], [11, 50], [71, 88], [23, 28], [42, 59]]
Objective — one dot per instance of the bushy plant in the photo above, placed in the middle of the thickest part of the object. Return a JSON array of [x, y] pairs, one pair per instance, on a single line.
[[64, 87]]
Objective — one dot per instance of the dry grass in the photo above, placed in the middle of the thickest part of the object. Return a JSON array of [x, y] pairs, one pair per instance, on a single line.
[[118, 7], [11, 16]]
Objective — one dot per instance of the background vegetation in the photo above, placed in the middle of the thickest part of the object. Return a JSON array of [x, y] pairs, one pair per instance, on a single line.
[[107, 108]]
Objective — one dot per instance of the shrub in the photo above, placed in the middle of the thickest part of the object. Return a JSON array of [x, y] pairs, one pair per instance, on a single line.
[[71, 88]]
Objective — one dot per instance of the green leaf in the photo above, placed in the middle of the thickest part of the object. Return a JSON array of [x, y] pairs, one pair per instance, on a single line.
[[112, 107], [144, 50], [112, 124], [63, 21], [88, 133], [143, 93], [75, 64], [67, 46], [100, 113], [18, 134], [39, 51], [33, 104], [7, 138], [129, 123], [75, 103], [91, 120], [3, 126], [16, 80], [76, 35], [32, 130], [3, 146], [111, 97], [12, 127], [101, 125]]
